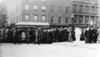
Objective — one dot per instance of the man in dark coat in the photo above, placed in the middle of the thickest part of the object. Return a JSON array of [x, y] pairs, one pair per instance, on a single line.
[[32, 33], [17, 36], [40, 34], [10, 35], [66, 34], [95, 34], [87, 35], [92, 34]]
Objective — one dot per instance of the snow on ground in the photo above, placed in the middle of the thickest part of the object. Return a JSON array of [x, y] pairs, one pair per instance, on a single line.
[[63, 49]]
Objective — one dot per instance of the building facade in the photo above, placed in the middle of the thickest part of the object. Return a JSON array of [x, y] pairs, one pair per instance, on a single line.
[[3, 14], [53, 11], [57, 12], [85, 12]]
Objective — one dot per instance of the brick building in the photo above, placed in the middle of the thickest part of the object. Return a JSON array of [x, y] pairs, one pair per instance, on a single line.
[[57, 12]]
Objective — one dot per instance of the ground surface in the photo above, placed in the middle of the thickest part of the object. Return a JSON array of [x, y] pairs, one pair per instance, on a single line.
[[63, 49]]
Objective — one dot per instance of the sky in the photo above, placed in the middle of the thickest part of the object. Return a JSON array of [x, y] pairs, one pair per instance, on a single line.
[[0, 0]]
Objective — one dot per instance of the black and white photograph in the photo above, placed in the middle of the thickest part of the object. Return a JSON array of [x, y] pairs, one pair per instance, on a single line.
[[49, 28]]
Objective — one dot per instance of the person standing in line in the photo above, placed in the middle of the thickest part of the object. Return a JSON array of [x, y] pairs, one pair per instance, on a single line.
[[10, 35], [0, 35], [6, 31], [77, 35], [28, 35], [91, 34], [95, 34], [39, 36], [13, 30], [87, 35], [98, 39], [69, 36], [32, 33]]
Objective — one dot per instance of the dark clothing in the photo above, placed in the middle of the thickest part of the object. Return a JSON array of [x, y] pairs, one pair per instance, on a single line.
[[87, 36], [10, 36], [17, 37]]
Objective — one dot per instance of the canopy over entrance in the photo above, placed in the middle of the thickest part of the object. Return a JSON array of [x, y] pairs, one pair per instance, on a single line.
[[32, 24]]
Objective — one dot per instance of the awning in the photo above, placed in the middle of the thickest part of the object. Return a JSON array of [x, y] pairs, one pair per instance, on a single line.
[[33, 23]]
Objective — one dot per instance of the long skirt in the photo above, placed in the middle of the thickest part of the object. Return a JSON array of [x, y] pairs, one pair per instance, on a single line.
[[77, 41]]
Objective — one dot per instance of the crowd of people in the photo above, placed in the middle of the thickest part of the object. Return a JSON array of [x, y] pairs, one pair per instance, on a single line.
[[49, 35]]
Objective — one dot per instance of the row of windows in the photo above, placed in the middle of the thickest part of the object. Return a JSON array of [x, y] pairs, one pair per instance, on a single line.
[[35, 17], [52, 8], [82, 8], [77, 19], [81, 18], [16, 19], [59, 19]]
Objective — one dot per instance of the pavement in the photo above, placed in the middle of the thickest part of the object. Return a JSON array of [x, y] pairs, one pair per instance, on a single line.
[[62, 49]]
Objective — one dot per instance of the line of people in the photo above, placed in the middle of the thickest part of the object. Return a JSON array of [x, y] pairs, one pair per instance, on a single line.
[[40, 35], [91, 35], [33, 35]]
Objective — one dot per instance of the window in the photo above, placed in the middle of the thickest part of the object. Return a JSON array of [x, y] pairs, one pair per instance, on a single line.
[[52, 9], [52, 18], [80, 8], [80, 19], [74, 8], [43, 18], [86, 8], [86, 19], [27, 7], [75, 19], [43, 8], [97, 18], [20, 17], [27, 17], [66, 19], [11, 20], [96, 9], [59, 9], [66, 9], [59, 19], [35, 7], [17, 19], [35, 17], [92, 8], [92, 18], [17, 10], [20, 7]]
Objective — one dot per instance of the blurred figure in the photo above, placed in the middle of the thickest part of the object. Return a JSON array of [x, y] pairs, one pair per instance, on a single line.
[[70, 34], [98, 35], [87, 35], [77, 35], [33, 37], [39, 34], [0, 35], [17, 36], [5, 35], [10, 35]]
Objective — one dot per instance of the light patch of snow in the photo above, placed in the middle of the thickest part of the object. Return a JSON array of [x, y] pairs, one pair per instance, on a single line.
[[63, 49]]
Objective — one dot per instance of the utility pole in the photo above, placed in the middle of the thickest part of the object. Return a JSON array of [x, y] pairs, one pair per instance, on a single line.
[[72, 15]]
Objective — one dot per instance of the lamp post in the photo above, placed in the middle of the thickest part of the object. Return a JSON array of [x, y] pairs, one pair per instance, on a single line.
[[72, 15]]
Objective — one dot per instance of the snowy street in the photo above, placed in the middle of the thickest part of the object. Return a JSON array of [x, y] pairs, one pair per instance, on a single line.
[[63, 49]]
